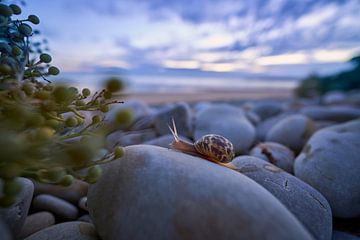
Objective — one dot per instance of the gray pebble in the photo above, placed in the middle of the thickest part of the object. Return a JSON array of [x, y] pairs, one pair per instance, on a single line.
[[307, 204], [65, 231], [72, 193], [275, 153], [36, 222], [15, 215], [56, 205], [330, 163]]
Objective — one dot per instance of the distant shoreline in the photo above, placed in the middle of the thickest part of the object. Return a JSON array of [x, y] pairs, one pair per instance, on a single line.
[[213, 95]]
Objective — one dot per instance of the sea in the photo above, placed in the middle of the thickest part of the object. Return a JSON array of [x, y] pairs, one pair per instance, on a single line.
[[153, 83]]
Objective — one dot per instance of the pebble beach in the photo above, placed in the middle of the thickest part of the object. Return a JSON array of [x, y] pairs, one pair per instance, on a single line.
[[297, 173]]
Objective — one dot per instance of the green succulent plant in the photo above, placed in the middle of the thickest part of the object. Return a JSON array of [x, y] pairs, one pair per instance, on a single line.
[[43, 129]]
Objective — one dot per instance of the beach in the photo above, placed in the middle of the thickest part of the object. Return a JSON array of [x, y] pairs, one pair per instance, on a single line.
[[154, 98]]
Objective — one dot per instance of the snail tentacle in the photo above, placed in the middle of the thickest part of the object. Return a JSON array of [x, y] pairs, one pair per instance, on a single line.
[[174, 131]]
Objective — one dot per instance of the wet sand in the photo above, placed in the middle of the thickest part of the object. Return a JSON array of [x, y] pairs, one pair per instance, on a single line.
[[221, 95]]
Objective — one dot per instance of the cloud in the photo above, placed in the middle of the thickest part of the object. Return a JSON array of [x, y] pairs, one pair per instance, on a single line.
[[210, 36]]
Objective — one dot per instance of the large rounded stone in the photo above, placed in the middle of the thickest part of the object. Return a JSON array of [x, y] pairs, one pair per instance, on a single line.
[[307, 204], [65, 231], [228, 121], [14, 216], [292, 131], [156, 193], [330, 163], [182, 115]]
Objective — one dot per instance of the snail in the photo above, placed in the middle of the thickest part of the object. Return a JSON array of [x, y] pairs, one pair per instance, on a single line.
[[212, 147]]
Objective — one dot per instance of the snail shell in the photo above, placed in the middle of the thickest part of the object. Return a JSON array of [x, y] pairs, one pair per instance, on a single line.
[[214, 148]]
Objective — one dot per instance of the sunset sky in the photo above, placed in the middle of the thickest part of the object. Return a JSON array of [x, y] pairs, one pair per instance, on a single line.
[[288, 38]]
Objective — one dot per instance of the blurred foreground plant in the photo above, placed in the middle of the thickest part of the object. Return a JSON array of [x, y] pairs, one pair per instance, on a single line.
[[44, 134]]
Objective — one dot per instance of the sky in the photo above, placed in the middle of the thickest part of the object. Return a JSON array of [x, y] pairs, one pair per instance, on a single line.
[[227, 38]]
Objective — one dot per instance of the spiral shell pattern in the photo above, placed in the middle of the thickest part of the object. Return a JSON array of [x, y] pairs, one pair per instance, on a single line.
[[215, 147]]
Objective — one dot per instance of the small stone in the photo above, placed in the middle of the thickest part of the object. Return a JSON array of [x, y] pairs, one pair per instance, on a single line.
[[264, 127], [275, 153], [330, 163], [15, 215], [333, 113], [201, 106], [5, 231], [267, 109], [85, 218], [83, 203], [252, 117], [72, 193], [143, 123], [333, 97], [56, 205], [182, 115], [292, 131], [36, 222], [307, 204], [338, 235], [323, 124], [68, 230]]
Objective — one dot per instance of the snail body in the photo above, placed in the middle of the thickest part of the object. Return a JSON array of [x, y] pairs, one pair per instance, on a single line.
[[212, 147]]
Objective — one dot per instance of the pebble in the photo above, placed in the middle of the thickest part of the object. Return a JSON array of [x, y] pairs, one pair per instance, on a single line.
[[330, 163], [36, 222], [5, 231], [182, 115], [83, 203], [15, 215], [65, 231], [143, 123], [72, 193], [333, 97], [267, 109], [275, 153], [85, 218], [162, 194], [264, 127], [55, 205], [333, 113], [252, 117], [292, 131], [338, 235], [307, 204], [227, 121]]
